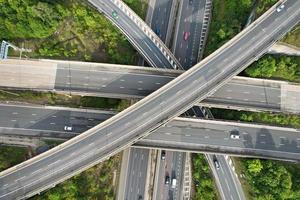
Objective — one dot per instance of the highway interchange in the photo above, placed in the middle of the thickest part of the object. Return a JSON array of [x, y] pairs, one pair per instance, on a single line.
[[119, 81], [188, 134], [166, 95]]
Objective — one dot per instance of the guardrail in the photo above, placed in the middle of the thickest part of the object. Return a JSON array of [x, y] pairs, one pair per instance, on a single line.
[[148, 32], [127, 134]]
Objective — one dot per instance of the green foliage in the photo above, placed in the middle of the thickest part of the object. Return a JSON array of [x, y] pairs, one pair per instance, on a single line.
[[282, 67], [293, 37], [10, 156], [94, 183], [228, 18], [264, 5], [28, 19], [205, 190], [48, 98], [261, 117], [272, 179], [63, 29], [138, 6]]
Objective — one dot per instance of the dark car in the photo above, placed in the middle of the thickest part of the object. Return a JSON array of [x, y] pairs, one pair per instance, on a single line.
[[163, 155], [167, 180], [140, 197], [157, 30], [191, 2]]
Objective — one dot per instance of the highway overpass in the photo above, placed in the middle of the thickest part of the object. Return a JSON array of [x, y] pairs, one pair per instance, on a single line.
[[20, 123], [147, 115], [121, 81], [138, 33]]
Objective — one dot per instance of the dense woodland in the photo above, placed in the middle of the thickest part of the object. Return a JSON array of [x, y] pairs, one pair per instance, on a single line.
[[67, 29]]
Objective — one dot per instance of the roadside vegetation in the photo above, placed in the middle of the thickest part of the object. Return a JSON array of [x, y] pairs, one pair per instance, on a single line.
[[275, 67], [138, 6], [268, 179], [95, 183], [293, 37], [203, 180], [49, 98], [10, 156], [228, 19], [68, 29], [259, 117]]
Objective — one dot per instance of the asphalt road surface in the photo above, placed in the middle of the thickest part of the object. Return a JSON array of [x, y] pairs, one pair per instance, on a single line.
[[190, 23], [136, 173], [121, 81], [160, 20], [181, 134], [125, 128], [136, 34], [230, 186], [171, 167]]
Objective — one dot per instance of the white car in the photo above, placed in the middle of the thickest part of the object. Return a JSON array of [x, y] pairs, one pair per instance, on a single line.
[[217, 164], [235, 136], [68, 128], [280, 7]]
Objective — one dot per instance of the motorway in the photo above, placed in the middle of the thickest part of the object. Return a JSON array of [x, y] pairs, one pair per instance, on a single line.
[[127, 127], [119, 81], [161, 18], [187, 134], [173, 165], [138, 33], [190, 20], [136, 174], [228, 183]]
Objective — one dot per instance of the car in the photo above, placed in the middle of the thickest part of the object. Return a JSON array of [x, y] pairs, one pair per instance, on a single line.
[[68, 128], [174, 183], [157, 30], [280, 7], [186, 36], [167, 180], [115, 14], [235, 134], [163, 155], [191, 2], [140, 197], [217, 165]]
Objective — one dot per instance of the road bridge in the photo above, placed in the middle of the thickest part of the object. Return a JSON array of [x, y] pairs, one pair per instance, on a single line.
[[150, 113], [120, 81]]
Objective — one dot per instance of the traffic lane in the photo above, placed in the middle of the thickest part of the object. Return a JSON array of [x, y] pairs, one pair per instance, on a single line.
[[227, 183], [177, 168], [151, 51], [29, 115], [259, 94], [91, 79], [190, 22], [136, 175], [49, 119], [250, 138], [150, 121], [160, 18], [107, 81], [184, 26], [195, 32]]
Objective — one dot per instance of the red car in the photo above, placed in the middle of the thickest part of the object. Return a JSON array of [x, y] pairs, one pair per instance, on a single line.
[[186, 36]]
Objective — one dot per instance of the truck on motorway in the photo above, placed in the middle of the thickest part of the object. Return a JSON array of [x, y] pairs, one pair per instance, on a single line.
[[174, 181]]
